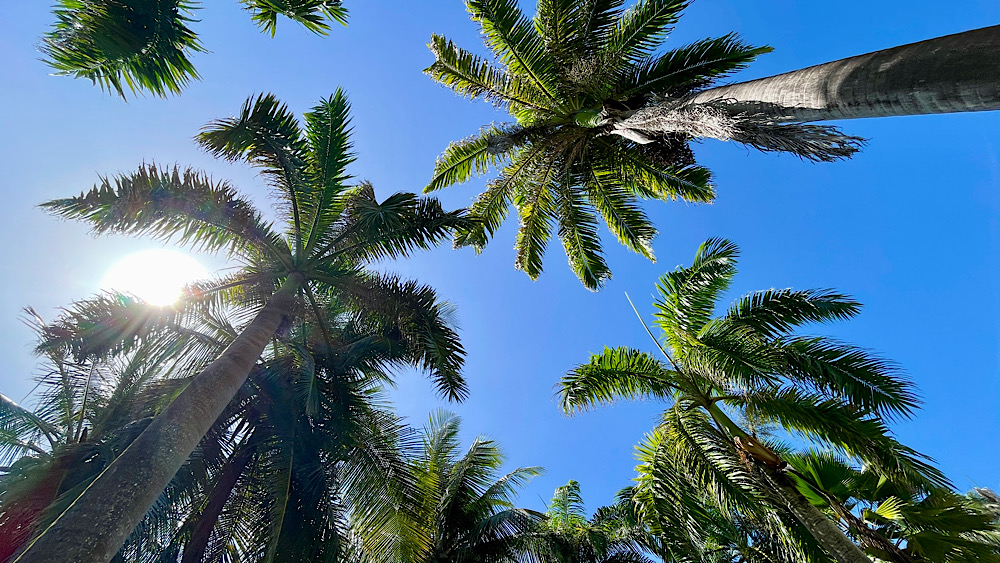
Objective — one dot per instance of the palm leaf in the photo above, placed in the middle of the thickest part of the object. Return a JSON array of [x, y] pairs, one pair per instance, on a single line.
[[615, 373], [166, 204], [119, 44]]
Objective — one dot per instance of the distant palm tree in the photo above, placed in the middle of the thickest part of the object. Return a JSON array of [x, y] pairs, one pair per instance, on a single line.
[[749, 361], [461, 510], [332, 231], [602, 118], [567, 535], [145, 45]]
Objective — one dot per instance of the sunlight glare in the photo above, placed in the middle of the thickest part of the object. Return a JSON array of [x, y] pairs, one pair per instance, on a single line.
[[156, 276]]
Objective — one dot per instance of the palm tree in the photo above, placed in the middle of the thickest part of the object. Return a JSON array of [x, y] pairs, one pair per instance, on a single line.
[[316, 448], [602, 118], [750, 362], [93, 401], [145, 45], [332, 231], [895, 522], [566, 535], [461, 510]]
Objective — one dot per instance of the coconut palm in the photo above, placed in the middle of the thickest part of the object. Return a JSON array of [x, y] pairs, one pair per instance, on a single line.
[[461, 510], [567, 535], [332, 231], [145, 45], [750, 362], [603, 118]]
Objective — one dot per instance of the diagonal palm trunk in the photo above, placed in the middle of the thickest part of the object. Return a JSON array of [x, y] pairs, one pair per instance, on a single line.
[[93, 528], [954, 73], [825, 531]]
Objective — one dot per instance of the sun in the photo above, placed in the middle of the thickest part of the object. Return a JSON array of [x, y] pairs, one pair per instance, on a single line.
[[155, 276]]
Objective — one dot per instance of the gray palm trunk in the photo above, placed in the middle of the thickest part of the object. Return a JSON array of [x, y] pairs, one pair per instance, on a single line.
[[97, 523], [954, 73]]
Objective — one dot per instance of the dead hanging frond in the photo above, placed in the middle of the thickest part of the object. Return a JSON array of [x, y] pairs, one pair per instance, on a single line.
[[818, 143], [749, 124]]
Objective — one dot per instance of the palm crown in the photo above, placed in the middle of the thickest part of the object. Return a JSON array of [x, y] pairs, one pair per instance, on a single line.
[[145, 45], [566, 77], [331, 228], [750, 362]]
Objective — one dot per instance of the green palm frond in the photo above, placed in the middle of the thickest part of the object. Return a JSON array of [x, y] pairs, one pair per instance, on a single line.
[[311, 14], [686, 68], [848, 428], [141, 45], [515, 41], [577, 229], [535, 206], [474, 77], [618, 207], [266, 135], [774, 312], [850, 373], [393, 228], [172, 204], [615, 373], [474, 155], [328, 136], [688, 295], [642, 29], [634, 172]]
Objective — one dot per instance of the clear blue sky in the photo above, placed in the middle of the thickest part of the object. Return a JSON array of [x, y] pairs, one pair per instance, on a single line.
[[909, 226]]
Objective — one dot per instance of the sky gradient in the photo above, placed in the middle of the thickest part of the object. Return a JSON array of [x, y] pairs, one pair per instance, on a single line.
[[909, 227]]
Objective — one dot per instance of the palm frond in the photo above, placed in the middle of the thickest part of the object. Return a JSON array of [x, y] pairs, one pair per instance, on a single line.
[[617, 206], [642, 29], [474, 77], [119, 44], [311, 14], [615, 373], [328, 136], [851, 374], [172, 204], [474, 155], [577, 229], [688, 295], [636, 173], [266, 135], [514, 40], [681, 70]]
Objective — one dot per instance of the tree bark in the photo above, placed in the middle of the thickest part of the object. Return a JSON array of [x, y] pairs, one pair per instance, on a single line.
[[954, 73], [829, 536], [95, 526]]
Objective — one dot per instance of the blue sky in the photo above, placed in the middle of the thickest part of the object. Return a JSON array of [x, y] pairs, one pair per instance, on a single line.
[[909, 226]]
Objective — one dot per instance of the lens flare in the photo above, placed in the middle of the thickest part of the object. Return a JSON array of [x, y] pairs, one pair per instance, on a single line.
[[155, 276]]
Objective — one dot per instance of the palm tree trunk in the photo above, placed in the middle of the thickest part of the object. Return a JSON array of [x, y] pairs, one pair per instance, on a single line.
[[826, 533], [954, 73], [95, 526], [829, 536]]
